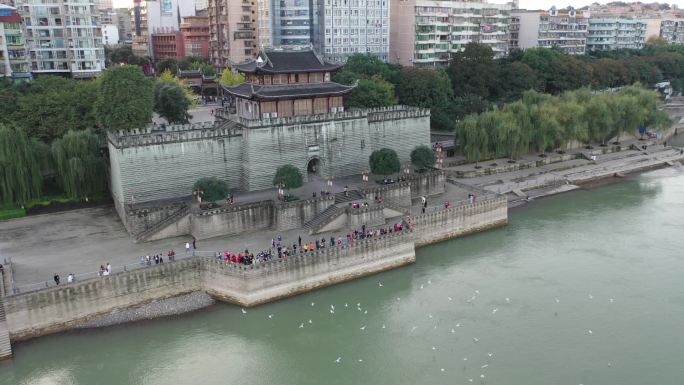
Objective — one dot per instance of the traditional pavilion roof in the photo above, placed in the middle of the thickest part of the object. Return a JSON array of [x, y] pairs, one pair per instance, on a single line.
[[276, 61], [255, 91]]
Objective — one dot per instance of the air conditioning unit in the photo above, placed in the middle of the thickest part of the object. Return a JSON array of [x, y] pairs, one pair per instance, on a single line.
[[274, 115], [265, 115], [340, 109]]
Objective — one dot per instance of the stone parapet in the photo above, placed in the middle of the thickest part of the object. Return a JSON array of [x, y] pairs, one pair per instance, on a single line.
[[172, 134]]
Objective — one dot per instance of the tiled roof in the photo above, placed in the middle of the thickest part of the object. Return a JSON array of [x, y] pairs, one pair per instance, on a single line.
[[253, 91], [276, 61]]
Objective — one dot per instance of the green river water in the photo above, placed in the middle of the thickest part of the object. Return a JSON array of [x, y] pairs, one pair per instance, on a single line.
[[581, 288]]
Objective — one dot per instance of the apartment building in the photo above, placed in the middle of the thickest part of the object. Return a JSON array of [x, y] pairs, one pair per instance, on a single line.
[[148, 17], [565, 30], [63, 37], [672, 30], [294, 22], [195, 33], [123, 24], [12, 48], [427, 33], [232, 31], [616, 33], [346, 27]]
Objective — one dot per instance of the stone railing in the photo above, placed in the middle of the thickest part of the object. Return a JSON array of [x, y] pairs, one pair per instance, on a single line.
[[234, 208], [404, 112]]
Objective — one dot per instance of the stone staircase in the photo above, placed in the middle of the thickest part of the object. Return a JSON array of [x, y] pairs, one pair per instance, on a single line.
[[5, 346], [142, 236], [352, 195], [323, 218]]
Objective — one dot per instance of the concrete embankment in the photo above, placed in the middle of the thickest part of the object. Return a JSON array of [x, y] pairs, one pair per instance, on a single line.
[[176, 287]]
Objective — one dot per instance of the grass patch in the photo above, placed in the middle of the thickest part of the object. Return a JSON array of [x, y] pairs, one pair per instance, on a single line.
[[6, 214]]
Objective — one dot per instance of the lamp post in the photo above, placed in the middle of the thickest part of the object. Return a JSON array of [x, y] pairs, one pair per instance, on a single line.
[[364, 177], [330, 184], [407, 169], [440, 155], [198, 193]]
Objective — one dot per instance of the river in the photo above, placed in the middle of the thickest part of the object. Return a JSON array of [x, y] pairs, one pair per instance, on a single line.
[[581, 288]]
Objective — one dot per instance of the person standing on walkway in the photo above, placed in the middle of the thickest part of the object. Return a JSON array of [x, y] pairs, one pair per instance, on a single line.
[[187, 248], [346, 191], [300, 241], [194, 244], [56, 278]]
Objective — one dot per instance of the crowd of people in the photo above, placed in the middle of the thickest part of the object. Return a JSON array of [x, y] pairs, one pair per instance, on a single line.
[[281, 249]]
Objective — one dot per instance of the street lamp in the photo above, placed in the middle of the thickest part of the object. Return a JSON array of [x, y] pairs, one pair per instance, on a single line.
[[198, 193], [364, 177], [407, 169], [330, 184]]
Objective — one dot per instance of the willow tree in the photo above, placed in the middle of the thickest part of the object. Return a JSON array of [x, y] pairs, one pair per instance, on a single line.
[[572, 125], [20, 177], [523, 125], [79, 165], [599, 118], [473, 140]]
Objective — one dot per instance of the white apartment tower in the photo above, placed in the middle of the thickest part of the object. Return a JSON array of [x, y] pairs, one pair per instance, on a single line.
[[346, 27], [63, 36]]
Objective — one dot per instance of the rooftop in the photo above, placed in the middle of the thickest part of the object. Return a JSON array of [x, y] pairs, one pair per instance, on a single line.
[[254, 91], [277, 61]]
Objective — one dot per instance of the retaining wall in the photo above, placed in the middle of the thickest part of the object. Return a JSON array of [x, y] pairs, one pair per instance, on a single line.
[[293, 215], [256, 284], [460, 220], [232, 220], [59, 308], [369, 216], [426, 184]]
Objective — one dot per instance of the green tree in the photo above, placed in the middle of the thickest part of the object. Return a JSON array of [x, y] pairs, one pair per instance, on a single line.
[[384, 162], [79, 165], [231, 79], [167, 76], [370, 93], [514, 79], [472, 139], [20, 177], [126, 99], [473, 71], [366, 66], [51, 106], [123, 56], [288, 176], [171, 102], [423, 157], [170, 65], [212, 188], [431, 89]]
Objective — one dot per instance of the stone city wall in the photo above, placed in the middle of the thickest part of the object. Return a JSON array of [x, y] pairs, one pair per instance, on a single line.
[[293, 215], [427, 184], [398, 193], [138, 220], [232, 220], [265, 282], [460, 220], [369, 216], [60, 308]]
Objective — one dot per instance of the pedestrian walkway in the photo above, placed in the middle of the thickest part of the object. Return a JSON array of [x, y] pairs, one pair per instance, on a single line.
[[5, 346]]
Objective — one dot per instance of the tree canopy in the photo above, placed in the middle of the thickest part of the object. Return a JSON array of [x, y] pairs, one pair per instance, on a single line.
[[384, 162], [231, 79], [546, 123], [370, 93], [423, 157], [288, 176], [80, 168], [126, 99], [212, 188], [171, 102], [20, 178]]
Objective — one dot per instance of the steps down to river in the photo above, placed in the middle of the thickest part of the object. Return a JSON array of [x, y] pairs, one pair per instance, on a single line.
[[322, 219], [352, 195], [5, 346]]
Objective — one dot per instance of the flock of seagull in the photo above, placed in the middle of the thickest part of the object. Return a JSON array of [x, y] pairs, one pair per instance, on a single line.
[[471, 300]]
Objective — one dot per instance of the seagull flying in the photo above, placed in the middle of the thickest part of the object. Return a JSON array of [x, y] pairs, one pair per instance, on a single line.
[[301, 325], [338, 360], [363, 327], [380, 284], [244, 311]]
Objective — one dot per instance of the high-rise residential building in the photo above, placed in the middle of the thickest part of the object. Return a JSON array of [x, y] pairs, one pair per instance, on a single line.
[[672, 30], [195, 31], [427, 32], [12, 49], [294, 22], [110, 34], [565, 30], [616, 33], [201, 5], [124, 25], [346, 27], [147, 17], [63, 37], [263, 23], [107, 16], [232, 31]]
